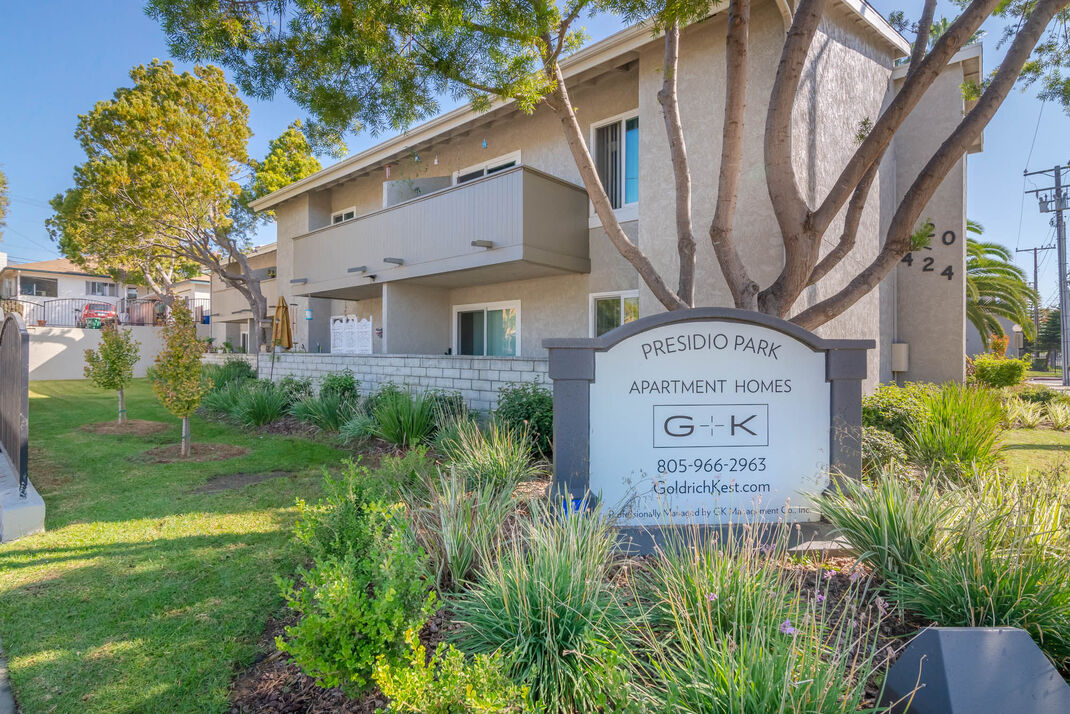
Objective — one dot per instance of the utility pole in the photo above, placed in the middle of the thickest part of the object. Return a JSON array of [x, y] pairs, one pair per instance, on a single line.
[[1054, 199], [1036, 284]]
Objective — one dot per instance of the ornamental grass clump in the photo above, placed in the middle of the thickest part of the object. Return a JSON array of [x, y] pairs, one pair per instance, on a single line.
[[231, 371], [960, 432], [549, 606], [726, 629], [222, 402], [260, 403], [498, 454], [404, 419], [891, 524], [459, 527], [365, 589], [1005, 563], [1059, 415], [327, 411]]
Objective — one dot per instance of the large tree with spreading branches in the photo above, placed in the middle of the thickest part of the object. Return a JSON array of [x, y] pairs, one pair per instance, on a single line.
[[376, 65], [164, 190]]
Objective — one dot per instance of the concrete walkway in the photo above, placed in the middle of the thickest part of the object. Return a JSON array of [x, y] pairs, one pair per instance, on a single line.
[[7, 699]]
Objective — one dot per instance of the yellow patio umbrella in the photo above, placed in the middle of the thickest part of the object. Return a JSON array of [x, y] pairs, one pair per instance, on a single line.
[[280, 326]]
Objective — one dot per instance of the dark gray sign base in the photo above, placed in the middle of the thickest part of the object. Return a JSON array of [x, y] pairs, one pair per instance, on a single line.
[[975, 670], [639, 540]]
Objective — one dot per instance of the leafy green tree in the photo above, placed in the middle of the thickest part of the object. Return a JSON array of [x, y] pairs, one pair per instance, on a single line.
[[377, 65], [1050, 337], [178, 383], [995, 288], [111, 365], [162, 194]]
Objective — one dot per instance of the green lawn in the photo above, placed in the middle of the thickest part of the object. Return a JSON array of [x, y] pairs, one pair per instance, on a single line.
[[1037, 450], [143, 596]]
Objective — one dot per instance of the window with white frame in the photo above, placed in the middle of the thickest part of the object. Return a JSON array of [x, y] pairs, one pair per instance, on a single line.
[[487, 329], [499, 163], [98, 288], [40, 287], [346, 214], [616, 156], [611, 310], [131, 293]]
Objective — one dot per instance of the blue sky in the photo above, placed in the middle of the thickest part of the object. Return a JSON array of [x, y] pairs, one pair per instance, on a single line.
[[59, 57]]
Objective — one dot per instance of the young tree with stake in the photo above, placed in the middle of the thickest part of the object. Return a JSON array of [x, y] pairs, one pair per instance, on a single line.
[[381, 65], [178, 383], [111, 365]]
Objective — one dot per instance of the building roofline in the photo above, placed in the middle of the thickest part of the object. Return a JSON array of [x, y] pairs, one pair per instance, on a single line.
[[18, 267], [588, 58]]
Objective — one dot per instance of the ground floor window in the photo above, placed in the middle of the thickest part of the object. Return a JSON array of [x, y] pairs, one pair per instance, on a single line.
[[488, 329], [611, 310], [40, 287]]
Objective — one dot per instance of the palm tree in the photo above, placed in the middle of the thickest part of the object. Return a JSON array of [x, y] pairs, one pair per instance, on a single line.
[[995, 288]]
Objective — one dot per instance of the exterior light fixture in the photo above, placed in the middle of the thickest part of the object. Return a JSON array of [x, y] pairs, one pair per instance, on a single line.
[[482, 244], [358, 269], [298, 281], [394, 261], [308, 313]]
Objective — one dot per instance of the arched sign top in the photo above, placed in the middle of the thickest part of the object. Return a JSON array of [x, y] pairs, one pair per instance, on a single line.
[[699, 314]]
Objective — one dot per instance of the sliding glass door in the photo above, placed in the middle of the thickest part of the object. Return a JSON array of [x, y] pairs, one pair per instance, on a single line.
[[492, 329]]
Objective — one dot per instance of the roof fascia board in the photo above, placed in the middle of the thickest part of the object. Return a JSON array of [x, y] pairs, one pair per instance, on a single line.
[[588, 58], [970, 55]]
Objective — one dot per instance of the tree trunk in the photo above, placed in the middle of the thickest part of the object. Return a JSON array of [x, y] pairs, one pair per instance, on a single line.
[[185, 438], [122, 407]]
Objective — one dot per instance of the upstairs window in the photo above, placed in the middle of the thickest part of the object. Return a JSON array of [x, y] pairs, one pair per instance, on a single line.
[[616, 156], [100, 289], [40, 287], [346, 214], [500, 163], [131, 293]]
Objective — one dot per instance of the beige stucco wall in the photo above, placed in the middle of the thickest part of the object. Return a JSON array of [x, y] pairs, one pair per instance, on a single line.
[[230, 309], [931, 309], [59, 352], [845, 81]]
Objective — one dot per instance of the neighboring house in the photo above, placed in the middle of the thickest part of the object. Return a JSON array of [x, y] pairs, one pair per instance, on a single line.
[[471, 234], [232, 317], [58, 292], [196, 291]]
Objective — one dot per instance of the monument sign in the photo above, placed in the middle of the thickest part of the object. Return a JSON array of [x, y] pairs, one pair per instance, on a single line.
[[705, 417]]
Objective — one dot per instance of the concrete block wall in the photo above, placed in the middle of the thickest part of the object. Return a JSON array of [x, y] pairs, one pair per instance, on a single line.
[[478, 379]]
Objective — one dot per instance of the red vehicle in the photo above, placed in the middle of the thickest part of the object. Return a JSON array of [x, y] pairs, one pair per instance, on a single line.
[[96, 310]]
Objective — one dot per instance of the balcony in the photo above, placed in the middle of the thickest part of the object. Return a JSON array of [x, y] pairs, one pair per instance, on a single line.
[[516, 224], [229, 305]]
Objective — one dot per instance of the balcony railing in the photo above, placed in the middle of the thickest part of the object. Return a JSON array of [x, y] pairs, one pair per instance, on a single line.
[[534, 223]]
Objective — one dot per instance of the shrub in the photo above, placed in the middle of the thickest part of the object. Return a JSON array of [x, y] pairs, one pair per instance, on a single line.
[[404, 419], [358, 427], [995, 371], [880, 450], [403, 475], [458, 528], [295, 388], [499, 454], [1029, 415], [548, 603], [1040, 394], [342, 385], [260, 403], [890, 525], [1059, 414], [447, 683], [365, 589], [529, 406], [327, 411], [232, 370], [894, 409], [729, 631], [111, 365], [959, 432], [447, 406]]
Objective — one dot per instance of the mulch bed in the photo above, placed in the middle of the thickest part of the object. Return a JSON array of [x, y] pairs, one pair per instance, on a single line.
[[232, 482], [132, 427], [198, 452], [289, 426]]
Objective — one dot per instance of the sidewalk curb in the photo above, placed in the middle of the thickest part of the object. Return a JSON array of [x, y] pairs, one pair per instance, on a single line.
[[7, 698]]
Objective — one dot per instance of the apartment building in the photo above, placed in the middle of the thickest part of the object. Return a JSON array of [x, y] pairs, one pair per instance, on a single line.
[[232, 318], [471, 235]]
